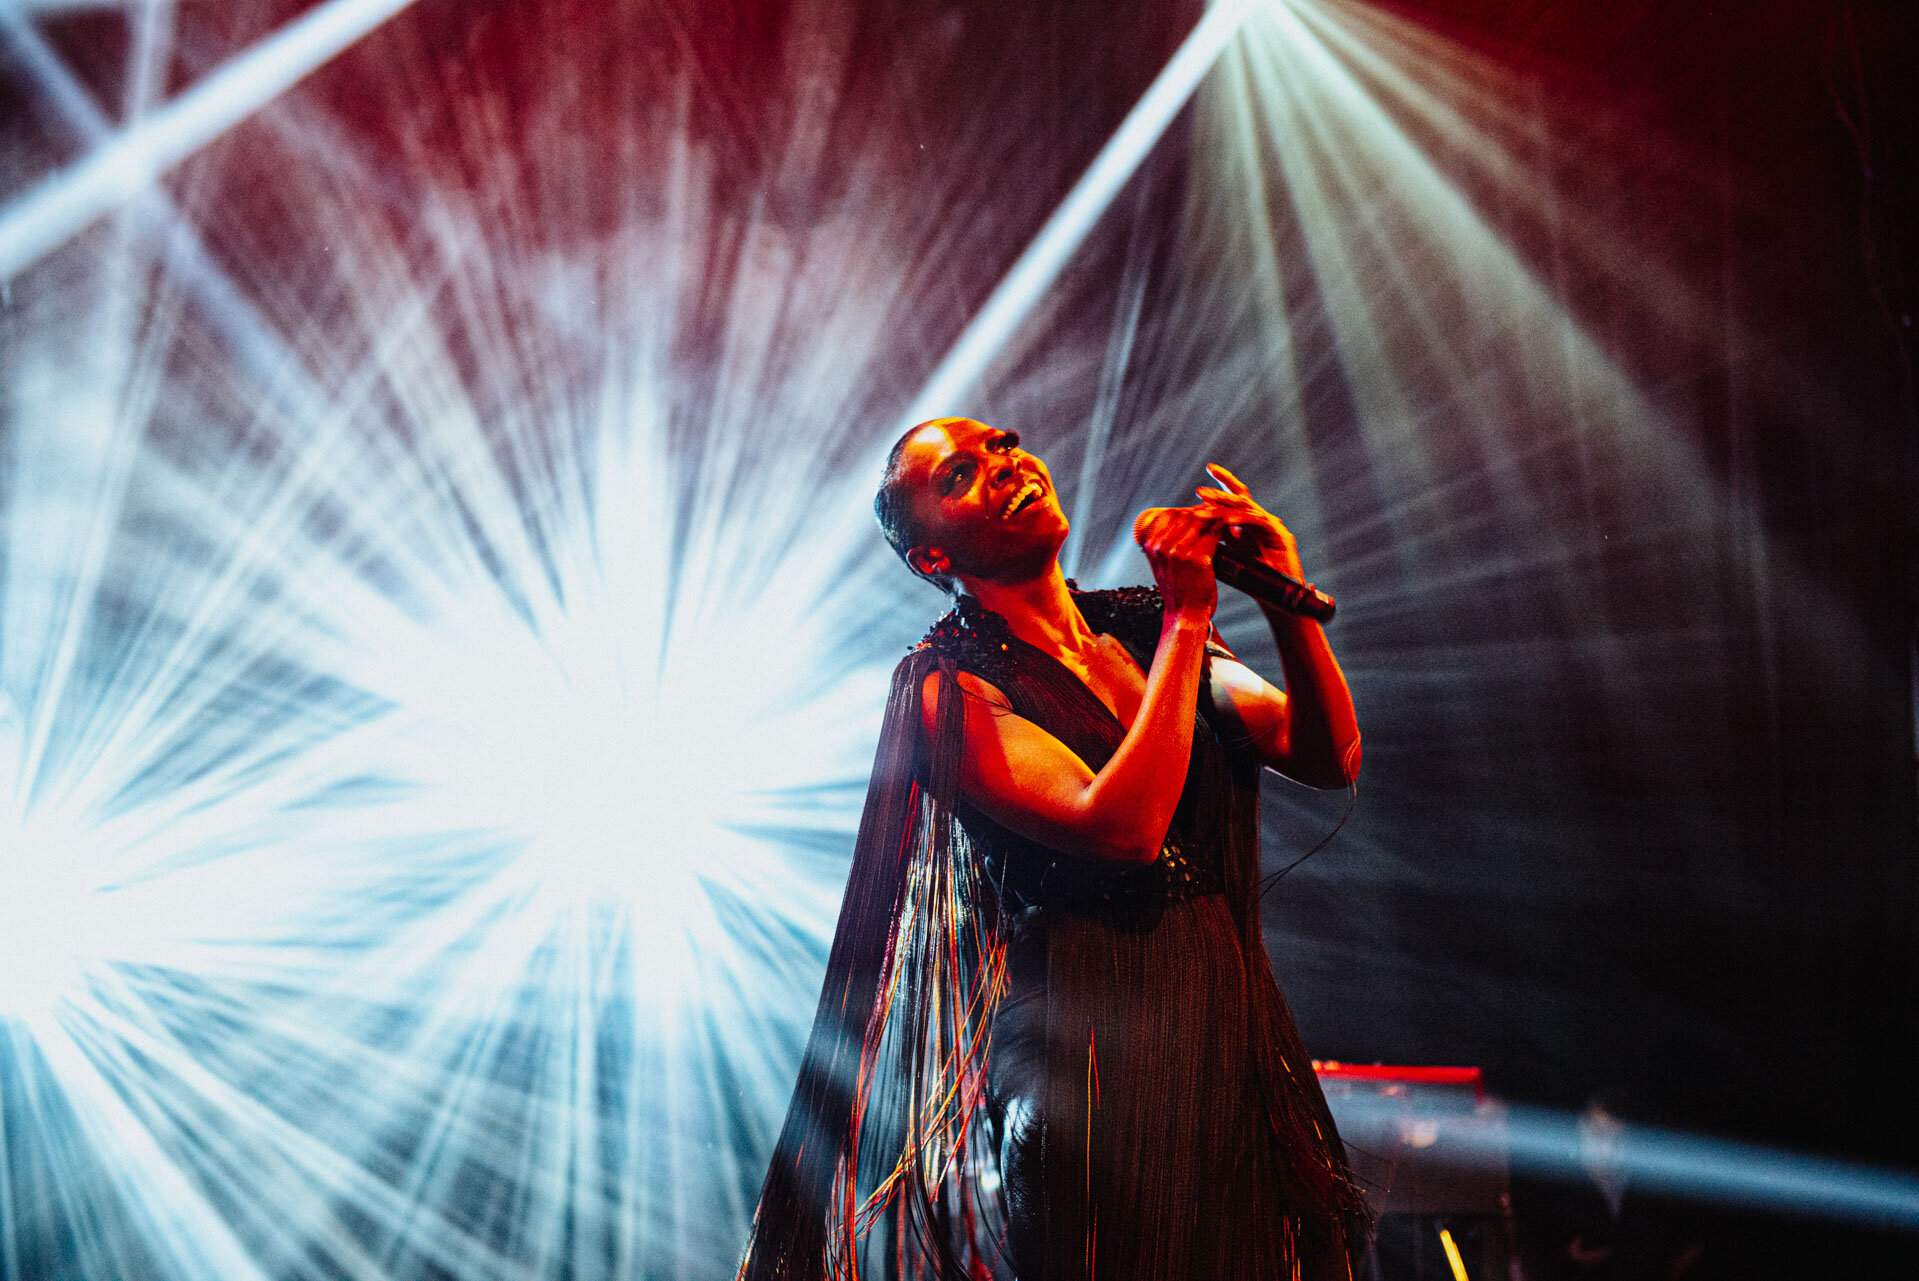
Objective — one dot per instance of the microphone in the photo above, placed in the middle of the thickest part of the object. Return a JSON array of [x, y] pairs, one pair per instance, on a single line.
[[1242, 569], [1270, 587]]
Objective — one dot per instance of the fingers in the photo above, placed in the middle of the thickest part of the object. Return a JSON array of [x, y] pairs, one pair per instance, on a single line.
[[1179, 543], [1222, 500], [1179, 533], [1236, 507], [1193, 541], [1229, 492], [1182, 523], [1234, 512], [1164, 523], [1197, 535], [1229, 480]]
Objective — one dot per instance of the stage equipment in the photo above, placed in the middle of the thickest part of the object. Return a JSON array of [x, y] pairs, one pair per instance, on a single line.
[[1428, 1150]]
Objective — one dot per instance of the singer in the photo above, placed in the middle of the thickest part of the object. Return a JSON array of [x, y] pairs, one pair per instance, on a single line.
[[1049, 1046]]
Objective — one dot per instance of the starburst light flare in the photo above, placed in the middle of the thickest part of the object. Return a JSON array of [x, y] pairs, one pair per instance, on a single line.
[[414, 791]]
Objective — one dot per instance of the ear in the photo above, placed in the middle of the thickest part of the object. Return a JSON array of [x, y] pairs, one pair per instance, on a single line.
[[929, 560]]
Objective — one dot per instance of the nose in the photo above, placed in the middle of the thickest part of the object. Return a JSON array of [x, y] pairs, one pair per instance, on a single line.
[[1004, 470]]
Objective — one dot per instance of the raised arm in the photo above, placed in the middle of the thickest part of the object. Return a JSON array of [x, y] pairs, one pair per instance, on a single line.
[[1308, 731], [1025, 779]]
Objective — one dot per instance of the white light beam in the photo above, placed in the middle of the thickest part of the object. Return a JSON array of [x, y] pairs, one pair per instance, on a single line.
[[174, 240], [1543, 1142], [67, 201], [1053, 248]]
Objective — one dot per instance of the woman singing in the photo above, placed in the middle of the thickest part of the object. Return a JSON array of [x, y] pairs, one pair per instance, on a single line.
[[1049, 1044]]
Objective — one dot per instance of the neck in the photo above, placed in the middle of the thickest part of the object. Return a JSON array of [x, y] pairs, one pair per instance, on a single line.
[[1040, 611]]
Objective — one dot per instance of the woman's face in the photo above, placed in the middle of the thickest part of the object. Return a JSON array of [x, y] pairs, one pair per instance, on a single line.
[[981, 507]]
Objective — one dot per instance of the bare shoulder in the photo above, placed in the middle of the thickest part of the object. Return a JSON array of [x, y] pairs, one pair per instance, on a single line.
[[969, 684]]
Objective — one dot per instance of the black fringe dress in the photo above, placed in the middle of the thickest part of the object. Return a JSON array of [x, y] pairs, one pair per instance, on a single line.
[[1036, 1066]]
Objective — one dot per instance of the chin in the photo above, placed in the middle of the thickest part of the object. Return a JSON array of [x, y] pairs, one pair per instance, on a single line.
[[1047, 533]]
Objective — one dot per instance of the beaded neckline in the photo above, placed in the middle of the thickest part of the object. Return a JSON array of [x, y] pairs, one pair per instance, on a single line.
[[976, 637]]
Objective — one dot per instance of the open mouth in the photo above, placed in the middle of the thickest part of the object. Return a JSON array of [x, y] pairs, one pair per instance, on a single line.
[[1028, 494]]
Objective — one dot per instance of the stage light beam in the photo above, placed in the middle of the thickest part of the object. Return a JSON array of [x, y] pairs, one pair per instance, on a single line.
[[1546, 1143], [126, 165], [1033, 273]]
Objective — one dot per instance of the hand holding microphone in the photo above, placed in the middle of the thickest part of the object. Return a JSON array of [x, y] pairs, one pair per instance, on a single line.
[[1248, 540]]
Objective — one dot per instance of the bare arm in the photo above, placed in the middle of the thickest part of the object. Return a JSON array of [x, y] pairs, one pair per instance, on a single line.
[[1309, 731], [1023, 778]]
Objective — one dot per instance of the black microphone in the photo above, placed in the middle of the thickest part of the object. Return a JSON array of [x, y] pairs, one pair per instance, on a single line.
[[1268, 586], [1243, 569]]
